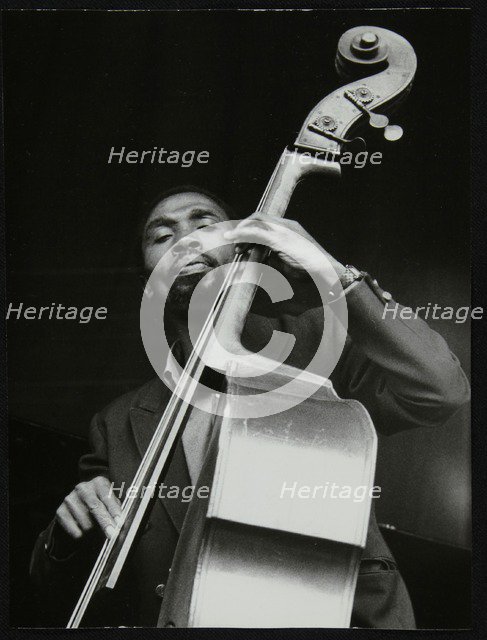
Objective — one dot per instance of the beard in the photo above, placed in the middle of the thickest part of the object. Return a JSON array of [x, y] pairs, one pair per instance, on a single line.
[[180, 295], [181, 291]]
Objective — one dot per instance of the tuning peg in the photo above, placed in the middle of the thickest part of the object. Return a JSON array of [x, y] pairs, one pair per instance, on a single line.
[[362, 96], [393, 132], [325, 126], [377, 120]]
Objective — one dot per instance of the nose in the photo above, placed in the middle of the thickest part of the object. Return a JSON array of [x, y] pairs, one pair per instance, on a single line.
[[186, 246]]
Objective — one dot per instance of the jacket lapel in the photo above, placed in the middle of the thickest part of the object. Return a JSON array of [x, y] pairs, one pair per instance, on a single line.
[[145, 414]]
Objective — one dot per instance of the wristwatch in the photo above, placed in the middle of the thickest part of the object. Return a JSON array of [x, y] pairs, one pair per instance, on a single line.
[[350, 275]]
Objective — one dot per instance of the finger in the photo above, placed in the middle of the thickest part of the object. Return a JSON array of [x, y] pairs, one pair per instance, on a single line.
[[97, 509], [67, 522], [259, 221], [251, 234], [243, 247], [266, 222], [104, 490], [79, 511], [262, 215], [272, 220]]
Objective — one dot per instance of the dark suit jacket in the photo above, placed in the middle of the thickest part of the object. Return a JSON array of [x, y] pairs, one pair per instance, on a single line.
[[401, 370]]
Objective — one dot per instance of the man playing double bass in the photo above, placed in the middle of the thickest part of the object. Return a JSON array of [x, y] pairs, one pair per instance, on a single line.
[[400, 370]]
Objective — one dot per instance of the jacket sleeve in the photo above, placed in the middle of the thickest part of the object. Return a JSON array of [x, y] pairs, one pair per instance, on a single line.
[[400, 369], [60, 566]]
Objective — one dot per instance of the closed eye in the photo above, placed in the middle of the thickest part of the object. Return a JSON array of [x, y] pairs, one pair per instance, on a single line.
[[162, 239]]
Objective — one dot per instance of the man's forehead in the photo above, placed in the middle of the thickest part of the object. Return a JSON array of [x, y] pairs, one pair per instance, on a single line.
[[180, 204]]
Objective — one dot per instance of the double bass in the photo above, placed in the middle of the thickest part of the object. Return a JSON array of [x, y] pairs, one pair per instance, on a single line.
[[250, 556]]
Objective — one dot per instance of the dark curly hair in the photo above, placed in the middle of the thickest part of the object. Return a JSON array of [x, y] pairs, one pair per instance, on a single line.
[[185, 188]]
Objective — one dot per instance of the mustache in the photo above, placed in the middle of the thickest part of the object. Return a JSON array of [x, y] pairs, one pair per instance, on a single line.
[[200, 258]]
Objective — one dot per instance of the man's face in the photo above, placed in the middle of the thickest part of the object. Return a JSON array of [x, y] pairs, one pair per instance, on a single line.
[[173, 220]]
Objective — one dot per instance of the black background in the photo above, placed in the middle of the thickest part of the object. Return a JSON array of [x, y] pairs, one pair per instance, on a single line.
[[239, 86]]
